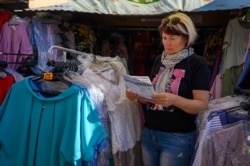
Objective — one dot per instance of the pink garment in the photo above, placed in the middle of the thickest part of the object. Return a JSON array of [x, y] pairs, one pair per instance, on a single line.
[[215, 91], [179, 74], [216, 67], [14, 39]]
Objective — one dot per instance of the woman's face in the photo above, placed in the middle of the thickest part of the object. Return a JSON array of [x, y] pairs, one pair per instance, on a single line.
[[173, 43]]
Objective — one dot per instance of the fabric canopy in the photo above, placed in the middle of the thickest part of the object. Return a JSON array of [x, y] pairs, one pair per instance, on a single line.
[[135, 7]]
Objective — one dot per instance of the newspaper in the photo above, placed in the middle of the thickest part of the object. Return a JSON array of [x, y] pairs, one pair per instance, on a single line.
[[141, 85]]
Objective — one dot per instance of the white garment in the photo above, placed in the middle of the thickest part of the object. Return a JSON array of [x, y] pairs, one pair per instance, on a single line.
[[236, 37], [124, 115]]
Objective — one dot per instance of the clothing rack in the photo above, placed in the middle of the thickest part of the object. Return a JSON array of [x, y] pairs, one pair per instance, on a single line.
[[64, 51], [72, 66], [16, 54], [29, 61], [3, 63], [5, 54]]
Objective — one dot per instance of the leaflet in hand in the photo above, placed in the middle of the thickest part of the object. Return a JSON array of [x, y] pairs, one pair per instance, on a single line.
[[140, 85]]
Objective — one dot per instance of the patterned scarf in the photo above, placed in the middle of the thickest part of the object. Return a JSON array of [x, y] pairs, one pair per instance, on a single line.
[[169, 61]]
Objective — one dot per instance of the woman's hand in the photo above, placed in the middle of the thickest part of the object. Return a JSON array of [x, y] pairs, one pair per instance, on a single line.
[[134, 97], [191, 106], [131, 95], [164, 99]]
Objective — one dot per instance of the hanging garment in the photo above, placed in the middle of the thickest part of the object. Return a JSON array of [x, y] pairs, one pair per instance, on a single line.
[[37, 130], [229, 80], [235, 38], [4, 17], [5, 85], [228, 146], [245, 74], [120, 116], [15, 40], [221, 112]]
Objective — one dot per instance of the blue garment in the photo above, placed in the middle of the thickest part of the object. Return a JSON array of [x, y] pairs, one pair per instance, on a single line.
[[245, 74], [99, 149], [222, 116], [40, 44], [236, 116], [167, 149], [53, 131], [229, 116]]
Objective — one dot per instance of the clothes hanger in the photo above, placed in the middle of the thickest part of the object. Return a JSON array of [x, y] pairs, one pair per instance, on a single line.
[[49, 78], [59, 70], [66, 50]]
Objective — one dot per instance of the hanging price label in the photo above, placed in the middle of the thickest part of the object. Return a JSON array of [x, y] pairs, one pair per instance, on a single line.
[[48, 76]]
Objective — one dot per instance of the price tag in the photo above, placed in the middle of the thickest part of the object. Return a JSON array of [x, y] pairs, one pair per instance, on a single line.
[[48, 76]]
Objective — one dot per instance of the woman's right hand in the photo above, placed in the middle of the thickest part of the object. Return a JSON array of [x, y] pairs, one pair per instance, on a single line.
[[134, 97], [131, 95]]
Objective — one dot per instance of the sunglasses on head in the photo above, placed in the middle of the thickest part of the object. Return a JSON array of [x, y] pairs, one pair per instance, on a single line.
[[173, 21]]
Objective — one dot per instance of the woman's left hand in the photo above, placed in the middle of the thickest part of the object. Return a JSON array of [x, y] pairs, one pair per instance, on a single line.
[[191, 106], [164, 99]]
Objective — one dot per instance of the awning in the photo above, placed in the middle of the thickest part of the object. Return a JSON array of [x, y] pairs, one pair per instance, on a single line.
[[135, 7], [224, 5]]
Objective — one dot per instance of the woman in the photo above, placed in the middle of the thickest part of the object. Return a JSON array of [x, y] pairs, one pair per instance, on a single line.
[[181, 81]]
